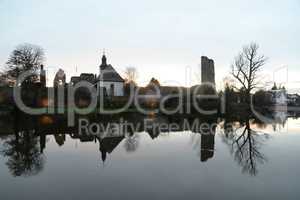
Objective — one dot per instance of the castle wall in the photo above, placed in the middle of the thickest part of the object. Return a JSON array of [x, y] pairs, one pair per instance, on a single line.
[[207, 70]]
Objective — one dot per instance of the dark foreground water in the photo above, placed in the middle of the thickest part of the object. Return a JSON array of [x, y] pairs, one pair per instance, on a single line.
[[264, 163]]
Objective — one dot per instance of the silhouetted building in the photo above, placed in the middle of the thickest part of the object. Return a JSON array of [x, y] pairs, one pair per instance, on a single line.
[[207, 70], [60, 139], [39, 81], [207, 147], [83, 137], [107, 145], [278, 97], [109, 82], [110, 79], [153, 132], [43, 140], [74, 80], [293, 99], [42, 76], [91, 78]]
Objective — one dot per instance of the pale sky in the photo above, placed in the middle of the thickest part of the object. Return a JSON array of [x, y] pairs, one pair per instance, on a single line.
[[158, 37]]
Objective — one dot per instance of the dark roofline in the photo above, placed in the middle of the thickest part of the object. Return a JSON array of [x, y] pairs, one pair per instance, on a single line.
[[87, 74], [107, 80], [110, 70]]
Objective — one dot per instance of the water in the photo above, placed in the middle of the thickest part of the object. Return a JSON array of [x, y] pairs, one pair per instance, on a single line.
[[181, 164]]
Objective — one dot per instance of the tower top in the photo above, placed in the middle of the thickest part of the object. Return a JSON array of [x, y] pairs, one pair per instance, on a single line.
[[104, 60]]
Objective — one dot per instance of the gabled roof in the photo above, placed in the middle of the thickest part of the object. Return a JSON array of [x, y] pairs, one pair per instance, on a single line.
[[88, 77], [109, 144], [108, 73]]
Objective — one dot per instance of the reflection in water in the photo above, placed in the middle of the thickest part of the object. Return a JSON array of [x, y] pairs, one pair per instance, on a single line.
[[60, 139], [245, 145], [204, 140], [24, 149], [132, 142], [207, 147], [107, 145], [24, 154]]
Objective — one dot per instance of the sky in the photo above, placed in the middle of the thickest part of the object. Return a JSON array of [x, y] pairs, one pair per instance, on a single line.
[[161, 39]]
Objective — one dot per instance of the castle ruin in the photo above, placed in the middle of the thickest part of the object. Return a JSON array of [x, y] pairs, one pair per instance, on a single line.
[[207, 70]]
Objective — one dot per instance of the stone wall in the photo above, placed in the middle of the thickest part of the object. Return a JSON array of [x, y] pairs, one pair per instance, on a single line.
[[207, 70]]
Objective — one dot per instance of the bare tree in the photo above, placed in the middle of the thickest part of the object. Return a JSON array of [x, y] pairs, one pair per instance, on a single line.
[[245, 144], [131, 74], [60, 78], [26, 57], [130, 80], [246, 67]]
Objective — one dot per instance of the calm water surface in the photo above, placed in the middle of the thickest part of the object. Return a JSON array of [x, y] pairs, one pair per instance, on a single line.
[[168, 165]]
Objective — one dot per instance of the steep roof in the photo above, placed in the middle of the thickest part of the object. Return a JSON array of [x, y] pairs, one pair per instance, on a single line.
[[108, 73], [109, 144]]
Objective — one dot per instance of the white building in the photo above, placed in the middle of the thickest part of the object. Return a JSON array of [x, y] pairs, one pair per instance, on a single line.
[[279, 97], [292, 99], [110, 79]]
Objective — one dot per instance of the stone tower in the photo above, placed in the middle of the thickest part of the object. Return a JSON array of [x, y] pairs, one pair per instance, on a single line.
[[42, 76], [207, 70]]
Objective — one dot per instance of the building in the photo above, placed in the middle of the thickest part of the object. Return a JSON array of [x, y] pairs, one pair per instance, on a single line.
[[42, 76], [91, 78], [74, 80], [293, 99], [207, 70], [110, 79], [278, 97]]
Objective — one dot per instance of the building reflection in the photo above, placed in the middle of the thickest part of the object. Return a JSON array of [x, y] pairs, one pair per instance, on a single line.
[[25, 144], [207, 147], [203, 138], [107, 145], [60, 139]]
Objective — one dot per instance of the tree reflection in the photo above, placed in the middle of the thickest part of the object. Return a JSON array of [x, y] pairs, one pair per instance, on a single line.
[[23, 152], [131, 142], [245, 146]]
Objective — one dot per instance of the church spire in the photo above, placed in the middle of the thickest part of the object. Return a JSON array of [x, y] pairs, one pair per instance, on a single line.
[[103, 58]]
